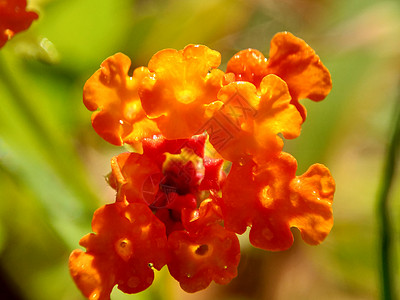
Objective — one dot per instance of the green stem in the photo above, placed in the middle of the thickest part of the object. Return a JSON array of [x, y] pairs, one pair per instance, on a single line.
[[386, 260]]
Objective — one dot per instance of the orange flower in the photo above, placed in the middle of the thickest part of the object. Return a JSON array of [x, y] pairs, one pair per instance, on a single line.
[[291, 59], [176, 206], [253, 119], [181, 88], [14, 18], [205, 251], [120, 118], [129, 241], [272, 199]]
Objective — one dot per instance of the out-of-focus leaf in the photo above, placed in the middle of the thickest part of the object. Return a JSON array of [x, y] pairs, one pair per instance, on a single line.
[[178, 23], [85, 32]]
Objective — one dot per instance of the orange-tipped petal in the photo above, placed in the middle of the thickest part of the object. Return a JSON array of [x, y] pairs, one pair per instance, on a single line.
[[114, 93], [295, 61], [252, 119], [180, 87]]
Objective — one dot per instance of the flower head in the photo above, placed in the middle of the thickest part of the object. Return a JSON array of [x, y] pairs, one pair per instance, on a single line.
[[182, 206], [14, 18]]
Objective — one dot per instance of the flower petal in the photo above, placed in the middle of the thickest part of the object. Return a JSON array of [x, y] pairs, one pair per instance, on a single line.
[[179, 88], [248, 65], [131, 174], [312, 194], [197, 259], [14, 18], [295, 61], [121, 118], [252, 119], [271, 199], [128, 239], [90, 275]]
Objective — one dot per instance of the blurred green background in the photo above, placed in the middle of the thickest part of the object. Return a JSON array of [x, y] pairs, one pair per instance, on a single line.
[[52, 163]]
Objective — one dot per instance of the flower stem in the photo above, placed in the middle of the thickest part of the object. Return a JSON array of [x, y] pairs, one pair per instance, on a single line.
[[384, 221]]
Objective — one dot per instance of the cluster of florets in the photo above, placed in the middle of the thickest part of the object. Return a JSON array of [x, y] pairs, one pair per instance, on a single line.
[[207, 164]]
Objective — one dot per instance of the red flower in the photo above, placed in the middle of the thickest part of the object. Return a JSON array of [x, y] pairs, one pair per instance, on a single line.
[[292, 60], [169, 175], [129, 241], [14, 18], [272, 199]]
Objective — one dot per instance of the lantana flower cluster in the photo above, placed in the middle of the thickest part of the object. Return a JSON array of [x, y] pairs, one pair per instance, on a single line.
[[207, 164]]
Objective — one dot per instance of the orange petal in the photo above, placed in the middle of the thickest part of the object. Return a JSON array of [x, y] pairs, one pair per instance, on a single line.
[[121, 118], [14, 18], [212, 254], [90, 275], [296, 62], [271, 199], [252, 119], [127, 238], [180, 87], [248, 65], [312, 196]]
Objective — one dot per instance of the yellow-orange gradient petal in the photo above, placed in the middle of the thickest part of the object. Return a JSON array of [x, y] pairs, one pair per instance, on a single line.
[[251, 119], [180, 87], [113, 95], [295, 61]]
